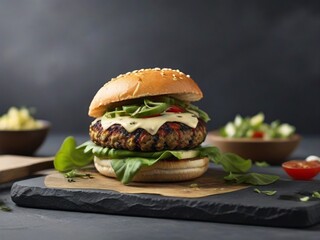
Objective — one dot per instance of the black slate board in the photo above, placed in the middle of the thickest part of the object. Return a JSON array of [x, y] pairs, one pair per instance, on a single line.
[[242, 207]]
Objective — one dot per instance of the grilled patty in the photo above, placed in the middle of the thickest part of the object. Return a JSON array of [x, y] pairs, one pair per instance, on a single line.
[[170, 136]]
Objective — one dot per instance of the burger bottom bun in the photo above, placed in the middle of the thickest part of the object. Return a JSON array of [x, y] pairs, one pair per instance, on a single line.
[[161, 171]]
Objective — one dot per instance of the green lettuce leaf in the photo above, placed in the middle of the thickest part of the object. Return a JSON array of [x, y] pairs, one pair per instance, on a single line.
[[111, 153], [251, 178], [69, 157], [127, 164], [126, 169], [229, 161]]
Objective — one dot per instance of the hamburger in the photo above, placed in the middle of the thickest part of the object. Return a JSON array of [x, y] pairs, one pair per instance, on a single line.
[[146, 129], [145, 112]]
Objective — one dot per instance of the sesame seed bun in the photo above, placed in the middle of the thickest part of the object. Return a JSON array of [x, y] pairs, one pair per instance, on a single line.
[[161, 171], [144, 83]]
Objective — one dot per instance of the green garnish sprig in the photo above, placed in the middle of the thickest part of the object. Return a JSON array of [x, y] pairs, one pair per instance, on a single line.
[[71, 175]]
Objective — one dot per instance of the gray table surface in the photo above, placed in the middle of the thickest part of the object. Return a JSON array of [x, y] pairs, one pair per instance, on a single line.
[[28, 223]]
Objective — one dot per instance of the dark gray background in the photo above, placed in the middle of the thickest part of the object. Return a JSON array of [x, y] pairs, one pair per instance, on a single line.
[[247, 56]]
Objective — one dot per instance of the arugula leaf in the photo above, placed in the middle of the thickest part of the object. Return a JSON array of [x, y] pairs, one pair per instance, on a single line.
[[251, 178], [213, 153], [234, 163], [126, 169], [229, 161], [69, 157]]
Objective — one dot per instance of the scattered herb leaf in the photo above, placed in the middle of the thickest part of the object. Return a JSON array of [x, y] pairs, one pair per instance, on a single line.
[[316, 194], [75, 174], [266, 192], [256, 190], [4, 207], [305, 199], [262, 164]]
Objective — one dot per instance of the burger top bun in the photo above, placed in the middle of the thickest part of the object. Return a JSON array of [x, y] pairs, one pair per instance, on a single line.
[[144, 83]]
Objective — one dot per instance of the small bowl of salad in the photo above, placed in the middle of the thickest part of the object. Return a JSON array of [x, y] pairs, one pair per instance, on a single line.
[[253, 138], [21, 133]]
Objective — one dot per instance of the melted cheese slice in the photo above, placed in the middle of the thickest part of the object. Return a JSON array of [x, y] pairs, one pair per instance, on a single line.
[[151, 125]]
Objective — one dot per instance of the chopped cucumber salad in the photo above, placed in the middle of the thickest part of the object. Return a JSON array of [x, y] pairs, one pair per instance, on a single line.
[[255, 127]]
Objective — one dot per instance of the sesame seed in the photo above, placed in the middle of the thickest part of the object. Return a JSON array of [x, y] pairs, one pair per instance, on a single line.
[[162, 72]]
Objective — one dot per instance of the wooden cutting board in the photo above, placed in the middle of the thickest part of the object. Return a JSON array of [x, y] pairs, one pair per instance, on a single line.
[[14, 167]]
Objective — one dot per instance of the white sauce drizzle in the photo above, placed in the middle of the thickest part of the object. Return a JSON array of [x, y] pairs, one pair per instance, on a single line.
[[151, 125]]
